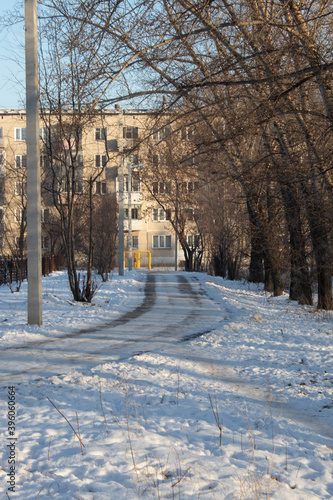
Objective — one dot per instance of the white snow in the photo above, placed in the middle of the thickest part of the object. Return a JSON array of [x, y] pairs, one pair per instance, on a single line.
[[244, 411]]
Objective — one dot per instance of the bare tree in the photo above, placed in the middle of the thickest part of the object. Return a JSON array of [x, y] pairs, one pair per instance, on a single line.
[[105, 235], [14, 223], [258, 75], [173, 185], [68, 109]]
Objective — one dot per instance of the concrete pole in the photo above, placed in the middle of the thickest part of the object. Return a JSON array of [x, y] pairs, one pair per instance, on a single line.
[[176, 238], [176, 252], [33, 168], [121, 196], [129, 194]]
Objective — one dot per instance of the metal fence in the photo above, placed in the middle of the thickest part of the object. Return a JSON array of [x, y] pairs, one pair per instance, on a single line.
[[14, 270], [51, 263]]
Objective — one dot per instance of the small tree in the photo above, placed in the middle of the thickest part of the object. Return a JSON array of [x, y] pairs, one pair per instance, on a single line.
[[172, 182], [68, 109], [13, 217], [105, 235]]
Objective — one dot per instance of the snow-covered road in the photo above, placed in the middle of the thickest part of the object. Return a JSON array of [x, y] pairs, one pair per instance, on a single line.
[[174, 308]]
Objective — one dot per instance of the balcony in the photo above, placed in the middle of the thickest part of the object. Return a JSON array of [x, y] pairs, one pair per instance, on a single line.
[[130, 144], [136, 224], [136, 198]]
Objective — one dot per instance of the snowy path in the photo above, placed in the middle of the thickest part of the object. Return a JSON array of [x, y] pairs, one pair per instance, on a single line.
[[244, 411], [174, 308]]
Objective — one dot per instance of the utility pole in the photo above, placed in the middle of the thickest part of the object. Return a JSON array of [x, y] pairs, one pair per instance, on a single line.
[[33, 168], [129, 194], [121, 194], [176, 252], [176, 229]]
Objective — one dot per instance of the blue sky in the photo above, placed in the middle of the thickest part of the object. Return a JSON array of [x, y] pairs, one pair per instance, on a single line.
[[12, 58], [12, 76]]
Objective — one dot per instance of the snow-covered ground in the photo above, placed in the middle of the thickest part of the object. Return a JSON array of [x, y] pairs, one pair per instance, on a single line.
[[244, 411]]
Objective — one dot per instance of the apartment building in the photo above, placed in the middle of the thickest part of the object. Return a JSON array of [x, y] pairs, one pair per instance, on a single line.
[[110, 151]]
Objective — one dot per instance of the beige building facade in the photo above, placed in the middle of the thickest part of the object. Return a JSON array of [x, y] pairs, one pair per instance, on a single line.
[[112, 150]]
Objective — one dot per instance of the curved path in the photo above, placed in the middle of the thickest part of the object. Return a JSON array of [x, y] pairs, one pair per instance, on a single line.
[[174, 309]]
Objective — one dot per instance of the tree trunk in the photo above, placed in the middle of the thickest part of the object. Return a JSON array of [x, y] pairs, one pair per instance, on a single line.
[[300, 280], [88, 292], [324, 268], [321, 247], [219, 261], [257, 255]]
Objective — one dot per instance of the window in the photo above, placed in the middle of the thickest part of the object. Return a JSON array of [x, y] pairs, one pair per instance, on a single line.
[[135, 213], [19, 215], [193, 240], [135, 242], [45, 214], [187, 133], [45, 161], [47, 186], [79, 161], [45, 243], [161, 133], [64, 186], [161, 187], [20, 134], [189, 187], [156, 160], [44, 134], [136, 185], [161, 241], [20, 161], [1, 133], [101, 187], [72, 138], [20, 188], [2, 159], [188, 213], [130, 132], [20, 242], [78, 187], [156, 213], [160, 215], [132, 160], [101, 134], [100, 161]]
